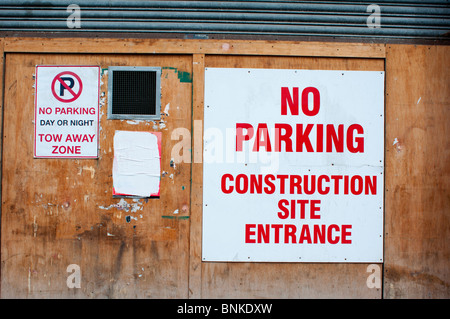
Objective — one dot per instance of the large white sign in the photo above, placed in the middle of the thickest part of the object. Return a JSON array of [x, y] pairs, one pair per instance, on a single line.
[[66, 111], [293, 165]]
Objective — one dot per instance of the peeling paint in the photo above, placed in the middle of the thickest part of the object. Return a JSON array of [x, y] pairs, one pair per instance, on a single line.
[[397, 145], [136, 206], [35, 226], [125, 206], [139, 122], [395, 141], [102, 99], [225, 47], [90, 169], [166, 109], [134, 122]]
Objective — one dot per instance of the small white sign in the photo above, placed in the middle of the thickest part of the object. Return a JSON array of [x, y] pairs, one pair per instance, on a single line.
[[66, 111], [293, 165]]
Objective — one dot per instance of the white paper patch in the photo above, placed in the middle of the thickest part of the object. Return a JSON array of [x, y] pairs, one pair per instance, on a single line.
[[137, 163]]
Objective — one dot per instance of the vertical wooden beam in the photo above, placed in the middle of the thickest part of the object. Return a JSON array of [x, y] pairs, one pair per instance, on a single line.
[[416, 263], [2, 67], [195, 251]]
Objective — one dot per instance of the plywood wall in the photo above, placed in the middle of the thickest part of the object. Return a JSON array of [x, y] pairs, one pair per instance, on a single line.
[[417, 207], [57, 212], [60, 212]]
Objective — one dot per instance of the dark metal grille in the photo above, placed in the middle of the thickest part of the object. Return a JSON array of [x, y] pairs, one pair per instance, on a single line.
[[134, 92]]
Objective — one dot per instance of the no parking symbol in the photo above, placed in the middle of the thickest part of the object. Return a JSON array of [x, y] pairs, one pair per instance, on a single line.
[[67, 86]]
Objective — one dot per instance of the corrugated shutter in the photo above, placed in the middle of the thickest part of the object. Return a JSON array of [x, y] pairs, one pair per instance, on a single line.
[[426, 19]]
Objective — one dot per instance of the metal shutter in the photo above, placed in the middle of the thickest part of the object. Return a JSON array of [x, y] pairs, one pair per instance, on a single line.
[[426, 19]]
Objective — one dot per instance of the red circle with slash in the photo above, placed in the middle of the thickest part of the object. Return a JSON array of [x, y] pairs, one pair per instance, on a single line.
[[73, 95]]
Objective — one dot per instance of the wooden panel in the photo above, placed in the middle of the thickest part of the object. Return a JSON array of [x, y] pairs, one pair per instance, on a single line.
[[57, 212], [308, 63], [177, 46], [288, 280], [417, 203], [60, 212], [2, 76], [195, 268]]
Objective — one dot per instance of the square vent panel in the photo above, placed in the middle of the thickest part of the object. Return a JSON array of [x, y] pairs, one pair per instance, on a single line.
[[134, 93]]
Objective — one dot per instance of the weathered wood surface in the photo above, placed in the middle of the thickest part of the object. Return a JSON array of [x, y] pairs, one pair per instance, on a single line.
[[57, 212], [417, 202], [177, 46], [61, 212]]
